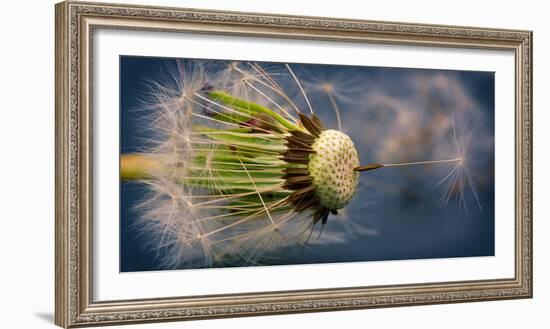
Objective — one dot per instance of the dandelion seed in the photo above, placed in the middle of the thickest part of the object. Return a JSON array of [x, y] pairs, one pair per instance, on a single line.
[[459, 178]]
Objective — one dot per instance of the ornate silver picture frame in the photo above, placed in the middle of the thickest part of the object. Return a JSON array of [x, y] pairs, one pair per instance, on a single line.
[[75, 301]]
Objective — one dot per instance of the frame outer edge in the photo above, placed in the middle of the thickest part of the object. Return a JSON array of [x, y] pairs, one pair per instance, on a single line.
[[61, 168], [530, 179], [72, 306]]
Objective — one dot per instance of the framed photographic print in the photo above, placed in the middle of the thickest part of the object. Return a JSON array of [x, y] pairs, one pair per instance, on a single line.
[[217, 164]]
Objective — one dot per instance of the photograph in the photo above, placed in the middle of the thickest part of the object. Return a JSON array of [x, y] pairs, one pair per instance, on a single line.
[[229, 163]]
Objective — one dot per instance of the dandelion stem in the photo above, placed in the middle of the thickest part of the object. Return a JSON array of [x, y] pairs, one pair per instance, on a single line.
[[137, 166], [372, 166]]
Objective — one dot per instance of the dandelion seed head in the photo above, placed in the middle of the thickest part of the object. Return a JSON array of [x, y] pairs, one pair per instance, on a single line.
[[221, 194], [332, 169]]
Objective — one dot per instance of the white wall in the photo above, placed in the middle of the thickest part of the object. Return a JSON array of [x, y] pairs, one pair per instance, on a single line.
[[27, 147]]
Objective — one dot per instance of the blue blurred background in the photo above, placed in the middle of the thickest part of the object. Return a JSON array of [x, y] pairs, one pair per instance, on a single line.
[[392, 115]]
